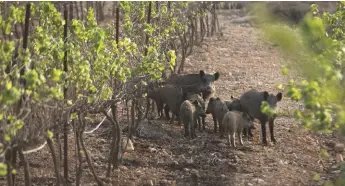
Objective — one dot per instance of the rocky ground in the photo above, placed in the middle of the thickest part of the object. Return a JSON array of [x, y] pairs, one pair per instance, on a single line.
[[163, 157]]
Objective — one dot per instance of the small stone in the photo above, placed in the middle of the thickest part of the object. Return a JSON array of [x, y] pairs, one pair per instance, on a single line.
[[149, 182], [222, 176], [236, 159], [339, 158], [240, 154], [258, 180], [164, 152], [164, 181], [339, 147], [186, 169], [122, 167], [129, 147], [190, 161], [223, 145], [175, 162], [249, 184], [195, 173], [101, 157], [336, 172], [281, 162], [152, 150]]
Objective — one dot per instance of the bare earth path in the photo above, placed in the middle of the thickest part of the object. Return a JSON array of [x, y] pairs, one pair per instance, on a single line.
[[166, 158]]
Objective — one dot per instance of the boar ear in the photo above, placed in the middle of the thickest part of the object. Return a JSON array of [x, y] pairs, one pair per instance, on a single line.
[[211, 99], [201, 73], [247, 116], [279, 96], [266, 95], [216, 76], [195, 102]]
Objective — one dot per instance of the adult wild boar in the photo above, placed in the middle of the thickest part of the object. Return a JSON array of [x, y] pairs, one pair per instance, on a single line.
[[155, 95], [233, 104], [173, 97], [195, 83], [251, 104]]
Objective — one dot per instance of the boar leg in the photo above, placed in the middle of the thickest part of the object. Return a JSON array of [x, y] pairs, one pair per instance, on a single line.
[[198, 123], [215, 123], [263, 131], [252, 118], [233, 140], [240, 138], [229, 140], [244, 132], [166, 110], [193, 123], [221, 128], [178, 120], [172, 118], [270, 124], [186, 129], [159, 105], [250, 134]]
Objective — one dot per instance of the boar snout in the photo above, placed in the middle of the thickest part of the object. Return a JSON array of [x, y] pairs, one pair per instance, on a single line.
[[209, 89]]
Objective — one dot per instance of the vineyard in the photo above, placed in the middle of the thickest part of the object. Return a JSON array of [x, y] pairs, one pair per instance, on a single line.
[[75, 78]]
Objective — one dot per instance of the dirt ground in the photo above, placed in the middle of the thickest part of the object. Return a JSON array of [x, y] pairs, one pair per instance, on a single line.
[[166, 158]]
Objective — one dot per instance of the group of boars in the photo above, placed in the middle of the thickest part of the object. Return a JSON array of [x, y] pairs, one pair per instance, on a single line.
[[186, 95]]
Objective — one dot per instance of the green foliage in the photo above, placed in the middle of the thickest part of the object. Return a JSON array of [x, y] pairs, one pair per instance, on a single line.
[[94, 59], [50, 134], [319, 56], [3, 169], [316, 176], [324, 153], [265, 108], [315, 49]]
